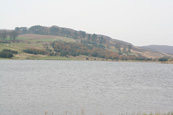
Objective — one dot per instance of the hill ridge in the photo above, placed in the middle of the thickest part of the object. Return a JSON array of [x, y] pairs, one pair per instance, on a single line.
[[104, 46], [159, 48]]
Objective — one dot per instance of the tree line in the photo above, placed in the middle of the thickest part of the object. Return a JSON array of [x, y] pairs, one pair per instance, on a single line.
[[4, 35], [76, 49], [34, 51], [64, 49], [64, 32], [93, 39]]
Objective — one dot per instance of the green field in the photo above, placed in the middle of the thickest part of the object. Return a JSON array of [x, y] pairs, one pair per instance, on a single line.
[[33, 41]]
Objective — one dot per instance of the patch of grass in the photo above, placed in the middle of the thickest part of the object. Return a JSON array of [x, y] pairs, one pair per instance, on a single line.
[[13, 46]]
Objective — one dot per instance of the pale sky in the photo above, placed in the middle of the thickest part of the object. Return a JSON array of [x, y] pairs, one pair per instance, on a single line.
[[140, 22]]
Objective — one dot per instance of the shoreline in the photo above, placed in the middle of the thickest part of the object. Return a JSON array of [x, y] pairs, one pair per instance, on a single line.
[[73, 59]]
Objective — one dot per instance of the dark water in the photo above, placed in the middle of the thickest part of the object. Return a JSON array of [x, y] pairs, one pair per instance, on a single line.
[[33, 87]]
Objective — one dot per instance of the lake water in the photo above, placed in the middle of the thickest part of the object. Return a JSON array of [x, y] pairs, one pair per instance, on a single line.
[[32, 87]]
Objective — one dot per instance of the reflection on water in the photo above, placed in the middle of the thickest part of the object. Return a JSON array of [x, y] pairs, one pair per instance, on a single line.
[[33, 87]]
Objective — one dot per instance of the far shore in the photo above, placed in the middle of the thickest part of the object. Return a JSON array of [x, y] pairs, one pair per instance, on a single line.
[[79, 58]]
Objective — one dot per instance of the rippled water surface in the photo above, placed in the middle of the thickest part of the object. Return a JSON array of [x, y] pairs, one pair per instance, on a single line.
[[33, 87]]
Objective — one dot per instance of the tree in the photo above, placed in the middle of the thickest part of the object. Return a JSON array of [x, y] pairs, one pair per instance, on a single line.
[[10, 35], [75, 35], [54, 30], [4, 34], [89, 37], [0, 34], [124, 49], [21, 30], [82, 33], [129, 48], [101, 39], [94, 36], [38, 30], [14, 34], [118, 46]]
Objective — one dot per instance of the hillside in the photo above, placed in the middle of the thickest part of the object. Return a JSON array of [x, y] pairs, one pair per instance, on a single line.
[[39, 42], [159, 48]]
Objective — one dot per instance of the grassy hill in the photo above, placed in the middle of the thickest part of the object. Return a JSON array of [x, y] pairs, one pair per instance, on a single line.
[[26, 41], [54, 42]]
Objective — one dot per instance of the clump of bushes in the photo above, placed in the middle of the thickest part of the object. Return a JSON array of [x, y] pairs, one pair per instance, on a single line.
[[163, 59], [7, 53], [35, 51], [10, 51]]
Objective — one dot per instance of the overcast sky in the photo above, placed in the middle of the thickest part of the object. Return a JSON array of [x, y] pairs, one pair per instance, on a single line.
[[140, 22]]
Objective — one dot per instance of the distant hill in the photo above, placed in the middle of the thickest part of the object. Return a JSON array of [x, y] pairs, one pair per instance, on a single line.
[[159, 48]]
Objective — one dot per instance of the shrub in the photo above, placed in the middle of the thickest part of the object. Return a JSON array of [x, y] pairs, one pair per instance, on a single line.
[[35, 51], [10, 51], [7, 53], [163, 59]]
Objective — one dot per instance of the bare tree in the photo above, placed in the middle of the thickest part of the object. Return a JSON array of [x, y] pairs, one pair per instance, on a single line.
[[4, 34], [10, 35], [13, 35], [0, 34]]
